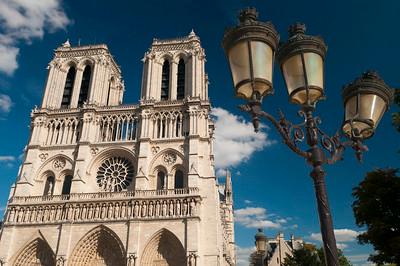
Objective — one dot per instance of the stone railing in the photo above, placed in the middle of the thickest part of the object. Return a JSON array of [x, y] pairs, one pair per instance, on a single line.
[[89, 207]]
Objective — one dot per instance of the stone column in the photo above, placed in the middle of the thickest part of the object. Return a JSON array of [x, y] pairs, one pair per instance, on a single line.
[[173, 81], [77, 87]]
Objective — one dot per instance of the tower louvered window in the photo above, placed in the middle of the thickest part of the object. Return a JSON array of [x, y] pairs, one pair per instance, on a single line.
[[181, 80], [49, 186], [83, 93], [179, 179], [69, 85], [165, 81]]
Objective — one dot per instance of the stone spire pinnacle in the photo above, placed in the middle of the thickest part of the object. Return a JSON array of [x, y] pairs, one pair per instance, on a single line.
[[192, 33], [228, 187], [66, 44]]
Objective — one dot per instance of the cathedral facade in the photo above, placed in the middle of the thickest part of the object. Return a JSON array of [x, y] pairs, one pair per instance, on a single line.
[[106, 183]]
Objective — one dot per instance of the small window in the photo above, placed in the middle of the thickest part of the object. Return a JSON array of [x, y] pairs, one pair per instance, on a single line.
[[181, 80], [66, 189], [83, 93], [165, 81], [179, 179], [49, 186], [161, 184], [68, 87]]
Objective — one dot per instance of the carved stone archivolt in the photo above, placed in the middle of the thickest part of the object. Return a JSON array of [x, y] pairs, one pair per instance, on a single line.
[[37, 252], [169, 158], [99, 247], [164, 249]]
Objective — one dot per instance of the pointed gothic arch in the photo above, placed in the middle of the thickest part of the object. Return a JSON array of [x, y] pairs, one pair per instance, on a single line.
[[164, 249], [165, 87], [181, 80], [85, 83], [68, 87], [100, 246], [37, 252]]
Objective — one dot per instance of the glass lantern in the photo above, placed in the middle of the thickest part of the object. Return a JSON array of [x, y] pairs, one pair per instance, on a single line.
[[301, 60], [261, 241], [250, 49], [365, 101]]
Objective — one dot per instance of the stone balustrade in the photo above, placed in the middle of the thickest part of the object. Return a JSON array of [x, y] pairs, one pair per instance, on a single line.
[[89, 207]]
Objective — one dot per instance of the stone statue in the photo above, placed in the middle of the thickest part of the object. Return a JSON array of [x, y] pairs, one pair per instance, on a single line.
[[151, 209], [171, 208], [136, 209], [110, 211], [178, 208], [164, 209], [184, 208], [123, 210], [144, 209], [157, 208], [192, 205]]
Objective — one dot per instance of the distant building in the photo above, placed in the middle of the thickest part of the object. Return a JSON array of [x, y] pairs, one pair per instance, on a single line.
[[272, 252]]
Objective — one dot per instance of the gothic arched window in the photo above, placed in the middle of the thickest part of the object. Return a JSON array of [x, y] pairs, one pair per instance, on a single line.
[[83, 93], [49, 186], [165, 81], [66, 188], [69, 85], [181, 80], [161, 184], [179, 183]]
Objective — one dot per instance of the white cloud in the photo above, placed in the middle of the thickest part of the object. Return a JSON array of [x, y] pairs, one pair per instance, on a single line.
[[359, 259], [342, 235], [255, 217], [5, 100], [25, 20], [248, 201], [341, 246], [242, 255], [7, 158], [235, 139]]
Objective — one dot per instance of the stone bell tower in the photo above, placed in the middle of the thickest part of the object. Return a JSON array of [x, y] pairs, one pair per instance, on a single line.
[[106, 183]]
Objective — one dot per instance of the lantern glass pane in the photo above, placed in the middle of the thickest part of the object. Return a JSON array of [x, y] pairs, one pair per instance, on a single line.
[[315, 70], [293, 73], [240, 64], [372, 107], [262, 59], [261, 245]]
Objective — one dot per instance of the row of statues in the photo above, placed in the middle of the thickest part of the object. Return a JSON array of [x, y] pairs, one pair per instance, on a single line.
[[110, 210]]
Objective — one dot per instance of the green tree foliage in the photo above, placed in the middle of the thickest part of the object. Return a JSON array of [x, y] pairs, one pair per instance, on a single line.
[[377, 206], [396, 116], [310, 255]]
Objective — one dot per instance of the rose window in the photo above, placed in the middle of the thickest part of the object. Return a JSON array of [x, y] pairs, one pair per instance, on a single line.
[[115, 174]]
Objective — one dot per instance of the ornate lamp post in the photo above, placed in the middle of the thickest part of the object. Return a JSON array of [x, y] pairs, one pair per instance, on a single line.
[[250, 48]]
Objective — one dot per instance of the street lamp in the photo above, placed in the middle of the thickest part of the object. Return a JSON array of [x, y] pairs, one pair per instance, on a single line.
[[261, 241], [250, 48]]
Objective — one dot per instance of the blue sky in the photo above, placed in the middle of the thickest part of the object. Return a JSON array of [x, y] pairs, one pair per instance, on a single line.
[[271, 184]]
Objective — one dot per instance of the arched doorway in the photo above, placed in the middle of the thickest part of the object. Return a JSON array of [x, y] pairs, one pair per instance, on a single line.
[[164, 249], [100, 247], [37, 252]]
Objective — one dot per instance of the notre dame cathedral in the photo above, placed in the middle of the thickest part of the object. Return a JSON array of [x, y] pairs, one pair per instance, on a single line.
[[107, 183]]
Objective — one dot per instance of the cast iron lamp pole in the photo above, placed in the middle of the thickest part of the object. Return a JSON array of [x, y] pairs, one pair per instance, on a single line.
[[250, 48]]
